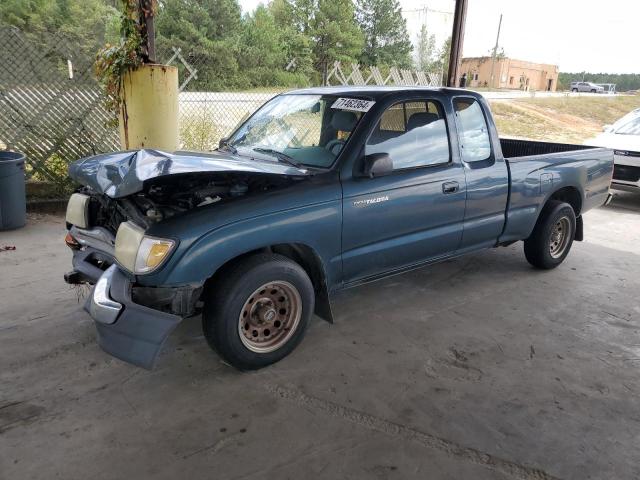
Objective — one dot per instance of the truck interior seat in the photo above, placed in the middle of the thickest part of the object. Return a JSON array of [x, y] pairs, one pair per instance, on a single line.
[[420, 119], [344, 121]]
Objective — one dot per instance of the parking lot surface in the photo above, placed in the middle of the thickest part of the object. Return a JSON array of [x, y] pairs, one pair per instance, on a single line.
[[479, 367]]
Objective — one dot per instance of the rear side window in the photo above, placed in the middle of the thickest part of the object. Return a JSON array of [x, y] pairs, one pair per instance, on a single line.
[[473, 131], [414, 134]]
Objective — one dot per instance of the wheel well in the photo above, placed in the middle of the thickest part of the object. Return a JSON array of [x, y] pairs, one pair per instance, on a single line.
[[304, 256], [570, 195]]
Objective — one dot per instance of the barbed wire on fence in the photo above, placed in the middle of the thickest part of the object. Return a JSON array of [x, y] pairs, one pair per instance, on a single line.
[[193, 72], [403, 77]]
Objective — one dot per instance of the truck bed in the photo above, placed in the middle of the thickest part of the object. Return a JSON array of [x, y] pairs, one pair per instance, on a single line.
[[580, 173], [512, 148]]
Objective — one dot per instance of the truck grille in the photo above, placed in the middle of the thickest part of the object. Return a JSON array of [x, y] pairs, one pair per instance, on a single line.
[[626, 173]]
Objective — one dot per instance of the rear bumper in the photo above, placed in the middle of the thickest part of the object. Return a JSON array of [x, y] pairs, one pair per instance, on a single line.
[[127, 330]]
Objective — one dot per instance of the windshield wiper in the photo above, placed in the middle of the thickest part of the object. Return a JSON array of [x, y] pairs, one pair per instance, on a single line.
[[227, 146], [283, 157]]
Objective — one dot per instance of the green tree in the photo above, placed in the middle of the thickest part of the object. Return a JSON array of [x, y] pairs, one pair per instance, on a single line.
[[386, 40], [335, 34], [208, 34], [327, 31], [294, 25], [623, 81], [426, 50], [264, 52], [87, 24], [442, 62], [298, 14]]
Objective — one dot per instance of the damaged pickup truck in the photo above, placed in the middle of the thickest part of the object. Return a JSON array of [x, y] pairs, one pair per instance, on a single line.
[[319, 190]]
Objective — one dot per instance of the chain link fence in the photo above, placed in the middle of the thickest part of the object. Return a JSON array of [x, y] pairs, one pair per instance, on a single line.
[[206, 116], [51, 106]]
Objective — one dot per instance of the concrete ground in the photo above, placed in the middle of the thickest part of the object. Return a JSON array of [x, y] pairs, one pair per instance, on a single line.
[[478, 368]]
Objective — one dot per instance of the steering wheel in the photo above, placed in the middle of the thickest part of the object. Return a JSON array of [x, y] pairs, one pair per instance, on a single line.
[[331, 144]]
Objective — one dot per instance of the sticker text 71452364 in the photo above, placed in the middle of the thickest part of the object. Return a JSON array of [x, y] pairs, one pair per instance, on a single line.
[[353, 104]]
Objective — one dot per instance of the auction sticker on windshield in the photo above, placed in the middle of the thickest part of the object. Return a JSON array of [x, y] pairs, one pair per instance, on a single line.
[[353, 104]]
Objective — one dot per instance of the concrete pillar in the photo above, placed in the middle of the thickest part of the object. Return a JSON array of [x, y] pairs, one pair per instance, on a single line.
[[149, 113]]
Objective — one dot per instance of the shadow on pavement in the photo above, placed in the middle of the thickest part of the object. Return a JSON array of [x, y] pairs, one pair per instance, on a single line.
[[627, 201]]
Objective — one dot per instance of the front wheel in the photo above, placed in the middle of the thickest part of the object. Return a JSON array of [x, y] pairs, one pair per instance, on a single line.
[[257, 312], [552, 237]]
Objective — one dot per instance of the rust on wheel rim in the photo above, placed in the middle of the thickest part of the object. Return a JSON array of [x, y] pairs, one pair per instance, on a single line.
[[270, 316], [560, 237]]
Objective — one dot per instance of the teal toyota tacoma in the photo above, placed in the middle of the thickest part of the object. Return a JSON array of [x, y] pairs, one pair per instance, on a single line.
[[320, 189]]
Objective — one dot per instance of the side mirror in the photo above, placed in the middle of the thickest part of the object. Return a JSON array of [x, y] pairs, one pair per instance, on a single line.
[[377, 165], [607, 128]]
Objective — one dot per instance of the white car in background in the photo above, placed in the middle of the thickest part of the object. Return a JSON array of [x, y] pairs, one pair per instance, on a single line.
[[586, 87], [624, 138]]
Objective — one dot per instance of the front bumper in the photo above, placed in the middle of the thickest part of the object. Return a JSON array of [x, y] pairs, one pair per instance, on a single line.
[[127, 330], [133, 321], [626, 171]]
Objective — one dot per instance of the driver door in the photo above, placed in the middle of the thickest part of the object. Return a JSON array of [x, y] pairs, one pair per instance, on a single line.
[[415, 213]]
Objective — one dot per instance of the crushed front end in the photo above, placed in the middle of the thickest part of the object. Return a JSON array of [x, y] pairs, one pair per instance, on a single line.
[[110, 220], [132, 320]]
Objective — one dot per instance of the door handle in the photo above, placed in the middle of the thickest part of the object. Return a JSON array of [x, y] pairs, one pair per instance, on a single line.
[[450, 187]]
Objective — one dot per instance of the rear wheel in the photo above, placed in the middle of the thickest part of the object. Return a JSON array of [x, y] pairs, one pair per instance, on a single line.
[[552, 237], [574, 89], [257, 313]]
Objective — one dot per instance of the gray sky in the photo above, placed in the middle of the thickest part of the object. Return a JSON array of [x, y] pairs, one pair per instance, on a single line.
[[591, 35]]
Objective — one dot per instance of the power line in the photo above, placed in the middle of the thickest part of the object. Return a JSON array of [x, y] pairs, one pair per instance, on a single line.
[[426, 9]]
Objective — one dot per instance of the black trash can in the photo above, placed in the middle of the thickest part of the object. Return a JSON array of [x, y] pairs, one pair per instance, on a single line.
[[13, 201]]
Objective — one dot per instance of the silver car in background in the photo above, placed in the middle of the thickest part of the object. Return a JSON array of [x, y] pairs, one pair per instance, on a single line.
[[586, 87], [624, 138]]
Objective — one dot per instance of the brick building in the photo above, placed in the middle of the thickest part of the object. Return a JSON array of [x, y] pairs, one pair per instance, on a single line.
[[510, 73]]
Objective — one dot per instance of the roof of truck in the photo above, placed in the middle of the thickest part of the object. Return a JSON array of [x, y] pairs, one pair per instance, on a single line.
[[375, 91]]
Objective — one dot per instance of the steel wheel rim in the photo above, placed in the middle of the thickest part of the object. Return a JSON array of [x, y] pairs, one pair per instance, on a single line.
[[559, 238], [270, 316]]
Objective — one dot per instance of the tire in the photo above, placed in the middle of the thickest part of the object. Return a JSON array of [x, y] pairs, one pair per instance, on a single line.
[[552, 237], [265, 293], [574, 89], [593, 91]]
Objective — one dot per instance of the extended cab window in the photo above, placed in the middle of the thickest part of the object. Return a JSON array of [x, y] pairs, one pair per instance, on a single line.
[[472, 130], [413, 134]]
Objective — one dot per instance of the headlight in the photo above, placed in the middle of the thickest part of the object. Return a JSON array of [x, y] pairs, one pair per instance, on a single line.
[[138, 252], [78, 210]]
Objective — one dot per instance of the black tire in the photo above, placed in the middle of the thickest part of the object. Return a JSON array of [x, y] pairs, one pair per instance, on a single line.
[[539, 247], [593, 91], [574, 89], [226, 298]]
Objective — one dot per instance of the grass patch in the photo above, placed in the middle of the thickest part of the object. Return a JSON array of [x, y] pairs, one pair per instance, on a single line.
[[516, 122], [603, 110], [559, 119]]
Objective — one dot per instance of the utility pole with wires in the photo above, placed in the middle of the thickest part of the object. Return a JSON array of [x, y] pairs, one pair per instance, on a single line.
[[493, 57]]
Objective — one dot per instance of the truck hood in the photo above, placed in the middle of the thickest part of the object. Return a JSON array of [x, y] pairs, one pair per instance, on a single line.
[[121, 174], [615, 141]]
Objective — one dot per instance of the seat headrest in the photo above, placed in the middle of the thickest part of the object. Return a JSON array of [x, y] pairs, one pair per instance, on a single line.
[[420, 119], [344, 121]]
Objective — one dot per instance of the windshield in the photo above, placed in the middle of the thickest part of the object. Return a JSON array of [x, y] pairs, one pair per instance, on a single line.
[[301, 129], [630, 128], [627, 122]]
